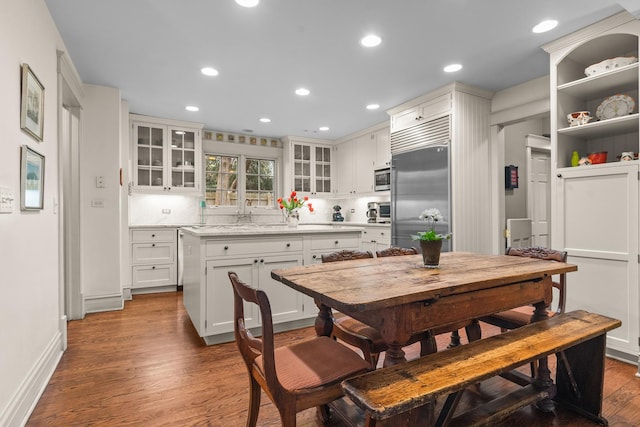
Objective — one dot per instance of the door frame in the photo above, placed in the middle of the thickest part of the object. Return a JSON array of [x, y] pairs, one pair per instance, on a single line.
[[69, 112]]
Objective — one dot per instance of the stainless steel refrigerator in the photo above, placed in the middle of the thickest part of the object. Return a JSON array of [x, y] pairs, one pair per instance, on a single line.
[[420, 179]]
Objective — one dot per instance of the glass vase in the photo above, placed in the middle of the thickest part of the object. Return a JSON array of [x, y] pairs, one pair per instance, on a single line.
[[431, 253]]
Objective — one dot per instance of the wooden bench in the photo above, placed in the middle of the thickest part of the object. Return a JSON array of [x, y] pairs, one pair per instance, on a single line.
[[389, 392]]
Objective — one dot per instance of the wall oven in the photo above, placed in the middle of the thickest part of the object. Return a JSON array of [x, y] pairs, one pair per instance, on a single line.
[[382, 179], [384, 212]]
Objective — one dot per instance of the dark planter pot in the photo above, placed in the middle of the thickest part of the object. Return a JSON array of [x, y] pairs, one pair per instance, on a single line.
[[431, 252]]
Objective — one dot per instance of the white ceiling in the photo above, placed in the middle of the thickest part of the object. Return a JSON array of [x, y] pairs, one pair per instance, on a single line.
[[153, 50]]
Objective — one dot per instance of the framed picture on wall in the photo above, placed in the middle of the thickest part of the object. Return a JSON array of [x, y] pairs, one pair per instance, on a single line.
[[31, 179], [32, 104]]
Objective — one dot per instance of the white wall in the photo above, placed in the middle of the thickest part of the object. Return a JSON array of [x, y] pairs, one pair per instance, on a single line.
[[100, 157], [29, 308]]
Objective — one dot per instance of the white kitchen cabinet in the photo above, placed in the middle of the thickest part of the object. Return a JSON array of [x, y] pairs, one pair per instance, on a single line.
[[308, 167], [595, 212], [286, 303], [167, 155], [153, 259], [324, 244], [420, 113], [354, 166], [376, 238], [383, 148]]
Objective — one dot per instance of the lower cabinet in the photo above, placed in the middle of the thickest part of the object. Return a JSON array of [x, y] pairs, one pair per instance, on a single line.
[[207, 291], [376, 238], [286, 303], [598, 227], [153, 258]]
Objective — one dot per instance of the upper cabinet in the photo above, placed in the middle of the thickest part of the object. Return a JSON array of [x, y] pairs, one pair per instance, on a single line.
[[420, 113], [167, 155], [308, 167], [356, 159]]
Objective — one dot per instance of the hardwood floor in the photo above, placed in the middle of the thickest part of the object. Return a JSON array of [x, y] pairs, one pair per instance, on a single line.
[[146, 366]]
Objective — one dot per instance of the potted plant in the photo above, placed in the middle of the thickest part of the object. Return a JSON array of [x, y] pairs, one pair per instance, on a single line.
[[430, 241], [291, 206]]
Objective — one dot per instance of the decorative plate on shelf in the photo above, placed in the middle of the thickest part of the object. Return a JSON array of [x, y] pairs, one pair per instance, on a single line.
[[609, 64], [615, 106]]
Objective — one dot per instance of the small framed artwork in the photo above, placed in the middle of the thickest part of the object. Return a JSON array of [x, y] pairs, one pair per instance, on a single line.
[[274, 142], [263, 141], [241, 139], [32, 104], [231, 138], [31, 179], [219, 137], [253, 140], [208, 134]]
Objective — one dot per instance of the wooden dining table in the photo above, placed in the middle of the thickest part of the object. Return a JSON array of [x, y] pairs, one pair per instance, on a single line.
[[400, 297]]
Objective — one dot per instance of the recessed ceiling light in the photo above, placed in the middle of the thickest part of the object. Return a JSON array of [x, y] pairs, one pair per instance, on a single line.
[[452, 68], [545, 26], [370, 40], [265, 120], [248, 3], [208, 71], [191, 108], [302, 91], [373, 106], [323, 128]]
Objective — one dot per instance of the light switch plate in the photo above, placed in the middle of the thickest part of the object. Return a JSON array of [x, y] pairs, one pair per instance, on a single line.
[[6, 200]]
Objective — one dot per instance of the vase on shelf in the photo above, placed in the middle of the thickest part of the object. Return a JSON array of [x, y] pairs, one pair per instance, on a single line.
[[293, 217], [431, 252]]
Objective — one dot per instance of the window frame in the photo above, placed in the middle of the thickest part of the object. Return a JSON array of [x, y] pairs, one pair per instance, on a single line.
[[242, 178]]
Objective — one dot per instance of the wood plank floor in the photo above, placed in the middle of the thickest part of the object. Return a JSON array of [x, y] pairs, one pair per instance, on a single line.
[[146, 366]]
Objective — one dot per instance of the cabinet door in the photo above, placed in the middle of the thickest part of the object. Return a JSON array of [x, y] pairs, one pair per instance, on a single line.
[[383, 149], [286, 303], [184, 158], [345, 153], [363, 160], [302, 163], [598, 211], [149, 156], [322, 175], [312, 168], [404, 119], [219, 294]]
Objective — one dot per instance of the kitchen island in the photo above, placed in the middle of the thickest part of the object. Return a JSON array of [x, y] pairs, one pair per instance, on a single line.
[[252, 251]]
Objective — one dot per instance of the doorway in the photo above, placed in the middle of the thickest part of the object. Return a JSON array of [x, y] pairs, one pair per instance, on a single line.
[[538, 150]]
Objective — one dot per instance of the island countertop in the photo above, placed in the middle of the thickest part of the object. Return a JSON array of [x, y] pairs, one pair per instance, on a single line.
[[264, 229]]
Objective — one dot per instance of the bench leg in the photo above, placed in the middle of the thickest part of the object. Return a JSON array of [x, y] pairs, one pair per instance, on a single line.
[[586, 361], [543, 379]]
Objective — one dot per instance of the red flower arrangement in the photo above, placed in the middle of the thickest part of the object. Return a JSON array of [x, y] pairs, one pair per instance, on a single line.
[[294, 203]]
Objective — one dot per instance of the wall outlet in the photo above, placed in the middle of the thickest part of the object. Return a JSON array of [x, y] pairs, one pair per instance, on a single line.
[[100, 182], [6, 200], [166, 211]]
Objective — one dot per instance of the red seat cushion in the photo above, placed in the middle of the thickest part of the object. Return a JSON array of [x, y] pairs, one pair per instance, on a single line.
[[308, 364]]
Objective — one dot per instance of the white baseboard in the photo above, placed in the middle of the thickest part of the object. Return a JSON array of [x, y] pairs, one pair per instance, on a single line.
[[26, 397], [98, 303], [126, 294]]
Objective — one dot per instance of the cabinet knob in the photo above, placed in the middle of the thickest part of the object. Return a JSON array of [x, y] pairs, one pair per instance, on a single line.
[[288, 245], [382, 233], [262, 261], [153, 235], [255, 261], [559, 175], [153, 268], [315, 256], [226, 247], [153, 245], [336, 242]]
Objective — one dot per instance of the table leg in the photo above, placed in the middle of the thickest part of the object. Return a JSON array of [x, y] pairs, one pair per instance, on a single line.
[[324, 321], [394, 355], [543, 374]]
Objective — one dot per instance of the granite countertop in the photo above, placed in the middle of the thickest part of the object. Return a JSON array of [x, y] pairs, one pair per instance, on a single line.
[[335, 225], [264, 229]]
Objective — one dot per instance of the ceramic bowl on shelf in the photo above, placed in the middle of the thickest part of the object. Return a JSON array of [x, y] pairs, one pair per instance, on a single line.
[[609, 64], [627, 156], [578, 118], [597, 158]]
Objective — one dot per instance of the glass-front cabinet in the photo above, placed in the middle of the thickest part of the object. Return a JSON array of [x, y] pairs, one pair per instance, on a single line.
[[166, 155], [309, 167]]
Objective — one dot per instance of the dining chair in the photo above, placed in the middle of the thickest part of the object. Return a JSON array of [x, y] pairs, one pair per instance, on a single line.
[[296, 377], [517, 317]]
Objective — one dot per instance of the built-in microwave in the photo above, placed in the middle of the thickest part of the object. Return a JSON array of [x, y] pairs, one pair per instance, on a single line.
[[384, 212], [382, 179]]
